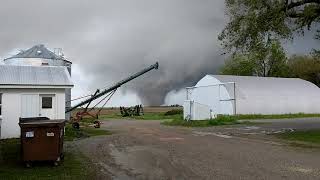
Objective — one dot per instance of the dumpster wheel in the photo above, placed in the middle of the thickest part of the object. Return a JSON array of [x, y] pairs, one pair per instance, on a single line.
[[55, 163], [28, 164], [62, 156]]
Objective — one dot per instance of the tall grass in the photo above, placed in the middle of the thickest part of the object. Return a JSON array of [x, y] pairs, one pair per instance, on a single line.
[[275, 116], [72, 133], [311, 136], [220, 120]]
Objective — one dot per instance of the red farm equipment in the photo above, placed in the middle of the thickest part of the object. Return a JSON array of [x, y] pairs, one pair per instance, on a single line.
[[105, 96]]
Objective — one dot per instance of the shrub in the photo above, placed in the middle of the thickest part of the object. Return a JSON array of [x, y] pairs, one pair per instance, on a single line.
[[220, 120], [173, 112]]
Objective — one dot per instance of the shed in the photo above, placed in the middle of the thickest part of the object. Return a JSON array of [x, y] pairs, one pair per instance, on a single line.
[[39, 55], [31, 91], [224, 94]]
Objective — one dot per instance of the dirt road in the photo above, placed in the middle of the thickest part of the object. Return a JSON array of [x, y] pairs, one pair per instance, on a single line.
[[148, 150]]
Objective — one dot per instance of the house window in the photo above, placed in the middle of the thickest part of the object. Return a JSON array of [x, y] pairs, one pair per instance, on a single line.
[[0, 104], [47, 102]]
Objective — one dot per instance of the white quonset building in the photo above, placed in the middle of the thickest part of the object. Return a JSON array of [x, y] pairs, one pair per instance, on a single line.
[[224, 94], [39, 55], [31, 91]]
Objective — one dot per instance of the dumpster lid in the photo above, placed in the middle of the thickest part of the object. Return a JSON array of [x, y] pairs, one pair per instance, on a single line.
[[23, 120], [36, 122]]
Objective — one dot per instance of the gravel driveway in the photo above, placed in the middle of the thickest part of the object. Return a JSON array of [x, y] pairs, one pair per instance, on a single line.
[[148, 150]]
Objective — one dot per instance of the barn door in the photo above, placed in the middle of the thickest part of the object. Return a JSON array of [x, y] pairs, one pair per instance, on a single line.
[[29, 105], [47, 106]]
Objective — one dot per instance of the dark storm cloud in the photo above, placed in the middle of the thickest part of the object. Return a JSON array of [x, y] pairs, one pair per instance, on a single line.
[[109, 40]]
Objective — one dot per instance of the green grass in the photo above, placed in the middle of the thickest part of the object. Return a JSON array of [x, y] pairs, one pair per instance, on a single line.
[[220, 120], [175, 118], [174, 114], [146, 116], [84, 131], [274, 116], [74, 166], [311, 136]]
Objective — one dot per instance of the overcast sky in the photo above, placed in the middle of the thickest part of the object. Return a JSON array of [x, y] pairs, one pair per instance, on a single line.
[[108, 40]]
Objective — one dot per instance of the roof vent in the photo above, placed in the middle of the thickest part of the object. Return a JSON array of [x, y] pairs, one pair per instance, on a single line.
[[58, 52], [39, 52]]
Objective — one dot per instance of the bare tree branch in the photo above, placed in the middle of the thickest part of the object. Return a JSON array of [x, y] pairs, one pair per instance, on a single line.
[[295, 15], [300, 3]]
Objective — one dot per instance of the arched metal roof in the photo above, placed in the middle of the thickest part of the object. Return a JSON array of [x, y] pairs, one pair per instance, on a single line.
[[269, 95], [274, 85]]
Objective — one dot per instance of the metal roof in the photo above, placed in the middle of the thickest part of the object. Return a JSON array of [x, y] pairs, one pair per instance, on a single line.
[[38, 51], [261, 95], [270, 84], [34, 75]]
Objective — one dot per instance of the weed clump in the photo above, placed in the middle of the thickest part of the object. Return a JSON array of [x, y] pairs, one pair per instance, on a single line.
[[84, 132], [173, 112], [220, 120]]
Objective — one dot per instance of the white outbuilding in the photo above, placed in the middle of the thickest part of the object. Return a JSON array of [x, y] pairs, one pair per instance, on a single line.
[[39, 55], [31, 91], [224, 94]]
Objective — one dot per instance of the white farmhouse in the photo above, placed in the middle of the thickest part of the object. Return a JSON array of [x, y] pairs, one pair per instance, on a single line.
[[31, 91], [223, 94]]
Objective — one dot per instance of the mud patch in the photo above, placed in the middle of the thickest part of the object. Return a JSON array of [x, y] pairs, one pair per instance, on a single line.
[[147, 162]]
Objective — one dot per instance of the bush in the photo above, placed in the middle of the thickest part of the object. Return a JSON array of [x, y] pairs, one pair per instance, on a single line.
[[72, 133], [220, 120], [223, 120], [173, 112], [84, 132]]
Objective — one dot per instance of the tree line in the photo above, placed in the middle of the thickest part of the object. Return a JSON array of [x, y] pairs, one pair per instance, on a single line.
[[297, 66], [254, 34]]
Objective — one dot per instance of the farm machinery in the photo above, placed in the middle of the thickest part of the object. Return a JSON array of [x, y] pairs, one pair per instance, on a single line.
[[104, 95], [136, 110]]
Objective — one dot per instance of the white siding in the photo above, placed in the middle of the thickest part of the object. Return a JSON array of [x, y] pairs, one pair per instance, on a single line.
[[196, 111], [60, 109], [257, 95], [268, 95], [11, 103], [10, 115], [215, 94], [29, 106]]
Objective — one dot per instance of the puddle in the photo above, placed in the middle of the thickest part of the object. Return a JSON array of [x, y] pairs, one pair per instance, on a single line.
[[198, 133], [283, 130], [248, 128], [302, 170], [171, 139]]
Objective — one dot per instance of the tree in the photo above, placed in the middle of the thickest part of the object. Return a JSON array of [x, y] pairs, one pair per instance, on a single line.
[[316, 53], [253, 22], [239, 65], [305, 67], [264, 60]]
